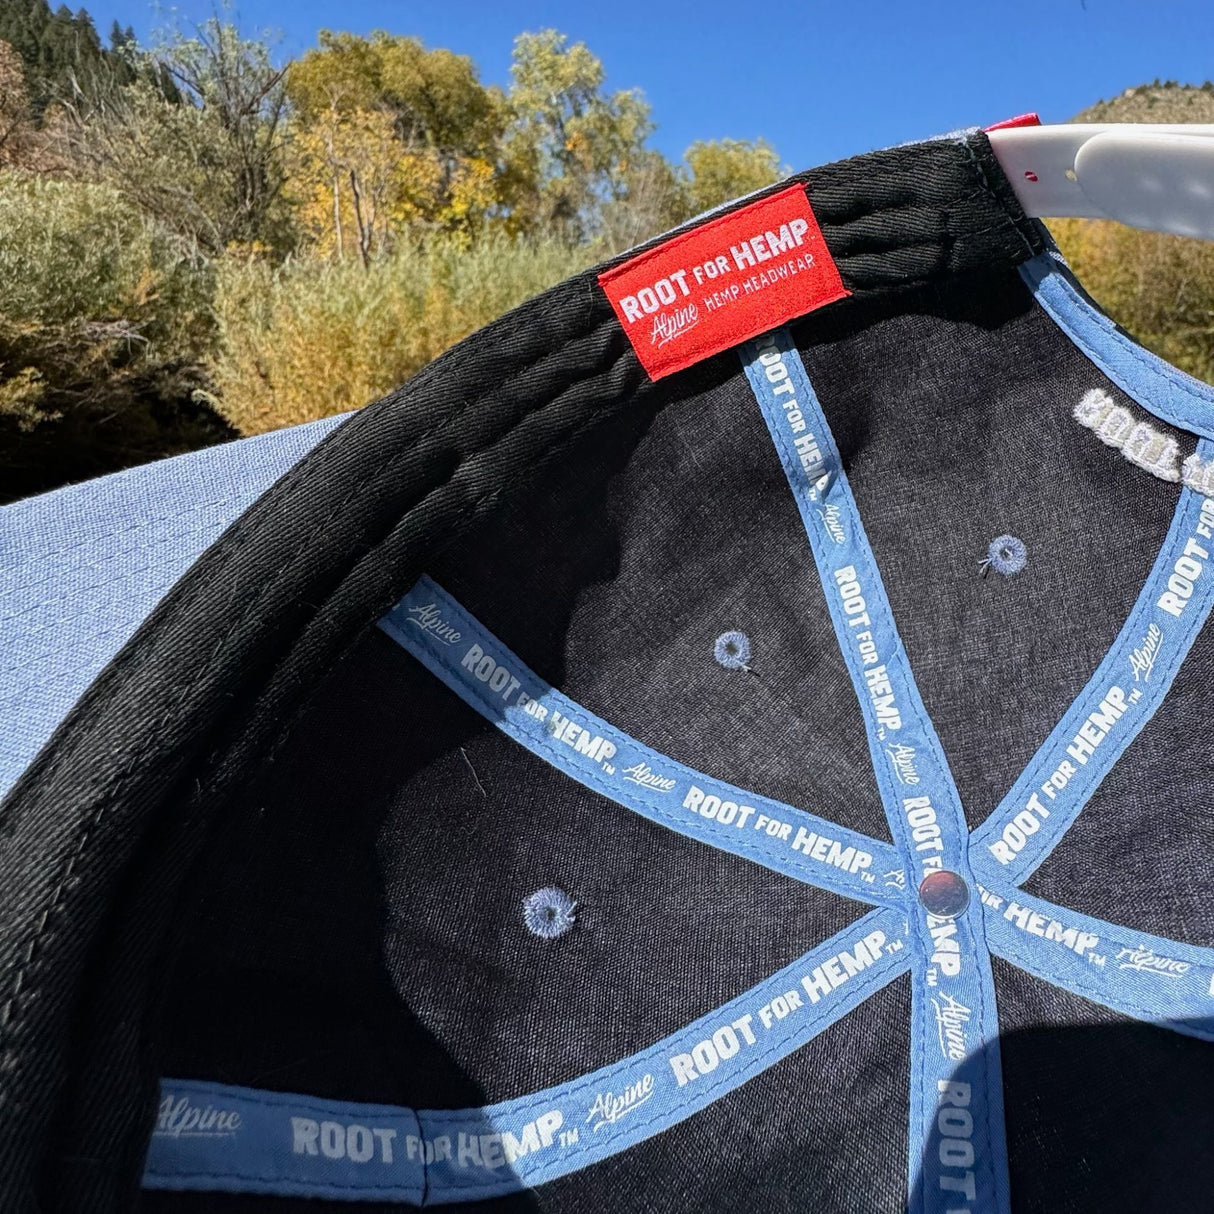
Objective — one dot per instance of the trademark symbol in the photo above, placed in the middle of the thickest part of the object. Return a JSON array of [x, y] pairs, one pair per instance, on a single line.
[[931, 976], [568, 1137], [1096, 959]]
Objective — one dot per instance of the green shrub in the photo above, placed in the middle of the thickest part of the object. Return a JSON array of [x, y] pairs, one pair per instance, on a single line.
[[72, 252], [104, 330], [309, 339]]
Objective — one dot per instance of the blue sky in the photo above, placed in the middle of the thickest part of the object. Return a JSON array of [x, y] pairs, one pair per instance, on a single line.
[[819, 80]]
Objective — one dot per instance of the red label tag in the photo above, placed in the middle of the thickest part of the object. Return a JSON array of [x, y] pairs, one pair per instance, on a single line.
[[724, 282]]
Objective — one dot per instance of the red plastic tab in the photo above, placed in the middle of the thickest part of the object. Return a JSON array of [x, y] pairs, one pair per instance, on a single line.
[[1019, 120], [724, 282]]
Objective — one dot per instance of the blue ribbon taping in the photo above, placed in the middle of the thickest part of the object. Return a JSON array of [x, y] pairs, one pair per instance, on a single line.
[[218, 1138], [1164, 982], [957, 1157], [461, 652], [1121, 697], [1158, 387]]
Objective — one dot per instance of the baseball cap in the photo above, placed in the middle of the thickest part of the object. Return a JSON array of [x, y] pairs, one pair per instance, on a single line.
[[732, 734]]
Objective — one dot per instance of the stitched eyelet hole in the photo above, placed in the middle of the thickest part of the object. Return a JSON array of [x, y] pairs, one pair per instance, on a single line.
[[732, 650], [1006, 555], [548, 912]]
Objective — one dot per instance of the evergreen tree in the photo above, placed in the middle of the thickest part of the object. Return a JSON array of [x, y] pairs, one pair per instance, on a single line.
[[60, 50]]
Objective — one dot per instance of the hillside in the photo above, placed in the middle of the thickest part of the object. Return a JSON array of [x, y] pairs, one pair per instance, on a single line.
[[1166, 102]]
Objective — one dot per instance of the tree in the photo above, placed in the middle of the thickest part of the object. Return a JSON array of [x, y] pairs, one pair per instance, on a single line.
[[204, 156], [570, 147], [232, 81], [659, 195], [724, 169], [16, 130], [435, 96], [352, 162], [104, 330], [654, 199], [389, 129], [56, 48], [123, 57]]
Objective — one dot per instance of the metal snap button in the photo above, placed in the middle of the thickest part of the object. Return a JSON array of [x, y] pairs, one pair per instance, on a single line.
[[944, 894]]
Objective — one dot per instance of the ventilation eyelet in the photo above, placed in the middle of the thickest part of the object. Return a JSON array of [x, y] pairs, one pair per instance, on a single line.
[[1006, 555], [548, 912], [732, 650]]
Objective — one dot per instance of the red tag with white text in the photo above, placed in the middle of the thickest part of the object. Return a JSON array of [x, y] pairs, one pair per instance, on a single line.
[[724, 282]]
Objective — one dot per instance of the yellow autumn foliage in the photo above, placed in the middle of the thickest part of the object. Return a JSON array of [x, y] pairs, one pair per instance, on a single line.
[[309, 339], [1159, 288]]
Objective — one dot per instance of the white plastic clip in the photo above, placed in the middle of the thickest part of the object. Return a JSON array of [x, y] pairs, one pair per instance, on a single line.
[[1155, 177]]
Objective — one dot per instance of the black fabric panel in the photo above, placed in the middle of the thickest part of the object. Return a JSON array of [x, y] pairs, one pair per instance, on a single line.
[[1140, 852], [619, 602], [411, 476], [967, 434], [131, 976], [1103, 1113], [355, 929]]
